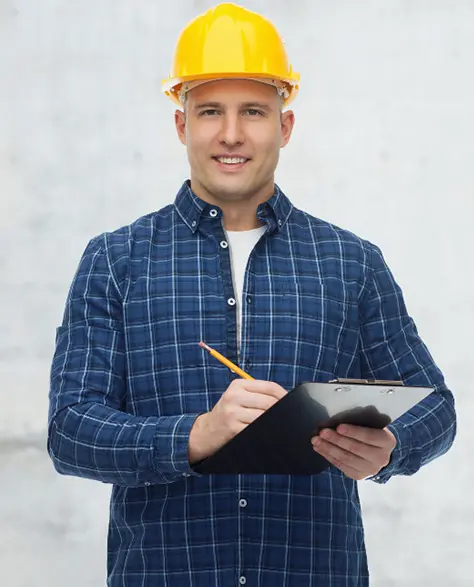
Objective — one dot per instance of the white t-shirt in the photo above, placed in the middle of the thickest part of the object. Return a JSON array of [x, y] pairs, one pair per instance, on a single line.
[[241, 244]]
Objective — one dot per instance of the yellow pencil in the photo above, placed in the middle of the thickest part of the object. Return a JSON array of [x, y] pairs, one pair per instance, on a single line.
[[225, 361]]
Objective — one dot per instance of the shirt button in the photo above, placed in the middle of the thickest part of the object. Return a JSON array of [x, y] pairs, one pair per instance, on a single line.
[[224, 245], [249, 299], [147, 483], [280, 222], [242, 580], [243, 503], [186, 475], [231, 302], [213, 213]]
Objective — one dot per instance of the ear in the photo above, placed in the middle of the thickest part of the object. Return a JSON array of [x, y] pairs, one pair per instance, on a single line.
[[180, 123], [287, 124]]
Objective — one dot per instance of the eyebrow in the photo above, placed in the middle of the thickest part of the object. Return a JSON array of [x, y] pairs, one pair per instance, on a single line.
[[257, 105]]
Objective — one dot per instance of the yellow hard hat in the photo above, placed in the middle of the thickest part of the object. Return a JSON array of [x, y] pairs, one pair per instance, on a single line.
[[229, 41]]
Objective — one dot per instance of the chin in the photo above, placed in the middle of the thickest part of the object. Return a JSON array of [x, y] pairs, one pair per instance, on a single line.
[[230, 189]]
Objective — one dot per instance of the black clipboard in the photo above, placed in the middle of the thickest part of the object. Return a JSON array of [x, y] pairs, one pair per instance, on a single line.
[[278, 442]]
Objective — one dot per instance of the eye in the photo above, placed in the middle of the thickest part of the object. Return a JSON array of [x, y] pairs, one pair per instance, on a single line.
[[254, 112], [208, 112]]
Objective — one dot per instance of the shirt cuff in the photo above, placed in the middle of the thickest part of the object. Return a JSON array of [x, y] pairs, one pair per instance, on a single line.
[[171, 444], [399, 453]]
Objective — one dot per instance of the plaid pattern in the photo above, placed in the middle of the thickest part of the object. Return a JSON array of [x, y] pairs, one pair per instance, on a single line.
[[128, 379]]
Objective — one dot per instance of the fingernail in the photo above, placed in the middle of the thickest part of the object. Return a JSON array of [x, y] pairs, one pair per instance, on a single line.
[[317, 441]]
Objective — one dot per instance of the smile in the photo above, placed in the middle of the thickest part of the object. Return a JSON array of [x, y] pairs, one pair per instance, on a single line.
[[231, 163]]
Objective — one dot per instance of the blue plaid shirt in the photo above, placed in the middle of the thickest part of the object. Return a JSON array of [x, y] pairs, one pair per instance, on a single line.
[[128, 380]]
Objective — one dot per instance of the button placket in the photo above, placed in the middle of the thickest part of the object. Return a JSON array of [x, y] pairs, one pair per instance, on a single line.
[[230, 300]]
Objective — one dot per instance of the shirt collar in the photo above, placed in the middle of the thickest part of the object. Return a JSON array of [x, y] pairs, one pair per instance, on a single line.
[[193, 210]]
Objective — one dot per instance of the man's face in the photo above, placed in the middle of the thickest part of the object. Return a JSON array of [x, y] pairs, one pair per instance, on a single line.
[[233, 131]]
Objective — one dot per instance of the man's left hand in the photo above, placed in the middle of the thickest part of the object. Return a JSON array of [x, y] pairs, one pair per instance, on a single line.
[[358, 452]]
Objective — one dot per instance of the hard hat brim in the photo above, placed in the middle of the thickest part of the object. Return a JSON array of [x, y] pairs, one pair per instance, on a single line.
[[171, 86]]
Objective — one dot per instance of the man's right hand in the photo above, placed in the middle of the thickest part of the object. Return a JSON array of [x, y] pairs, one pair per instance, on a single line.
[[241, 403]]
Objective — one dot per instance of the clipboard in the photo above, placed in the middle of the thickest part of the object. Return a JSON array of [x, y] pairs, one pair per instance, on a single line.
[[278, 441]]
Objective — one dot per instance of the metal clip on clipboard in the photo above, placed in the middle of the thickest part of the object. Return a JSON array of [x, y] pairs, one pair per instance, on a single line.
[[365, 381]]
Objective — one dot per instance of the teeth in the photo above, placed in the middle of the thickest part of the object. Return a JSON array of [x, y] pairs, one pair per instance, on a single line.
[[231, 160]]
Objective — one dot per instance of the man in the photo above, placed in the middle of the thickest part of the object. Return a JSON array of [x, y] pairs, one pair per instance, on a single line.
[[135, 402]]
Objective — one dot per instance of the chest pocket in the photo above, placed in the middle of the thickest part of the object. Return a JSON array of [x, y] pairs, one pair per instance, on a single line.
[[167, 322], [320, 317]]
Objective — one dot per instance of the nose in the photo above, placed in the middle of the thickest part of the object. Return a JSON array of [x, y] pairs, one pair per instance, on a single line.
[[231, 132]]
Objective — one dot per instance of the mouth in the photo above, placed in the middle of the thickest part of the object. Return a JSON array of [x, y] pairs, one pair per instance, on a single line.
[[231, 163]]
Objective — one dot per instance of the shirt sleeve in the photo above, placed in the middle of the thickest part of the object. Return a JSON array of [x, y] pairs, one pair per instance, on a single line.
[[391, 349], [89, 432]]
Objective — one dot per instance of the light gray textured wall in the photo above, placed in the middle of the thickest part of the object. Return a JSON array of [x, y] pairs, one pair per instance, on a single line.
[[383, 145]]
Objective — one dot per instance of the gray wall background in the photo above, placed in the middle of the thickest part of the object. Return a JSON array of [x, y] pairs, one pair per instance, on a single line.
[[383, 146]]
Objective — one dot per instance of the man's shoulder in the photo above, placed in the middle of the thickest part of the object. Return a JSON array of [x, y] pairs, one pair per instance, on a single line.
[[140, 229], [131, 241], [325, 231]]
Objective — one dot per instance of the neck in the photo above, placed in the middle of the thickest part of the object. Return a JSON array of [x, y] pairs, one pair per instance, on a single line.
[[238, 215], [237, 218]]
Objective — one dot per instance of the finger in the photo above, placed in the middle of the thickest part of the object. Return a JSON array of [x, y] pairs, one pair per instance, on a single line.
[[264, 387], [248, 415], [334, 453], [347, 470], [239, 427], [371, 436], [366, 451], [257, 401]]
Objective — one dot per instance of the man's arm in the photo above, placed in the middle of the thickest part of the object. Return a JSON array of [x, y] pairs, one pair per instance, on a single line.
[[89, 434], [390, 348]]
